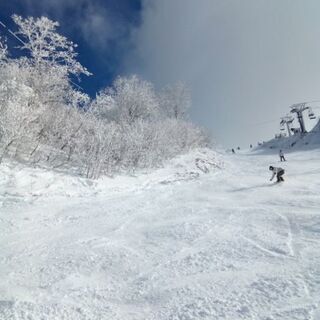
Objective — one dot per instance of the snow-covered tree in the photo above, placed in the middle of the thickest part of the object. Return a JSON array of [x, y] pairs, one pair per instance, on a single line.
[[103, 106], [3, 50], [17, 121], [39, 106], [46, 46], [53, 58], [135, 99], [175, 100], [45, 119]]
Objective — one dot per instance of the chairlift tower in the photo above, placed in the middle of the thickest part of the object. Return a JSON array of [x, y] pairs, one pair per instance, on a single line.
[[298, 108], [286, 120]]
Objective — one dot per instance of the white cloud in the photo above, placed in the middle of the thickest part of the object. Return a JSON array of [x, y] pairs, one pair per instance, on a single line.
[[246, 61], [97, 24]]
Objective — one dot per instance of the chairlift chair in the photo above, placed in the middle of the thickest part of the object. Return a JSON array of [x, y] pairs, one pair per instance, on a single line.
[[311, 114], [290, 119]]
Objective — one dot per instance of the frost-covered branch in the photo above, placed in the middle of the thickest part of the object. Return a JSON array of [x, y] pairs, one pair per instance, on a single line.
[[46, 45]]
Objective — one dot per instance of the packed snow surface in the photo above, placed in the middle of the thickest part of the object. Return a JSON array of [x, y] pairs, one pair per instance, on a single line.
[[177, 243]]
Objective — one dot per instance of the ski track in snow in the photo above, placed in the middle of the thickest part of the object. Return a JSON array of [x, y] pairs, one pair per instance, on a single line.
[[226, 245]]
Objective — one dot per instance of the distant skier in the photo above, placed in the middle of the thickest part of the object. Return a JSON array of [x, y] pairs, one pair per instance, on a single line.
[[281, 155], [279, 172], [233, 150]]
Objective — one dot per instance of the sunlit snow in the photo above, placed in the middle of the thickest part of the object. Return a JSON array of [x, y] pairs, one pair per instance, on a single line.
[[177, 243]]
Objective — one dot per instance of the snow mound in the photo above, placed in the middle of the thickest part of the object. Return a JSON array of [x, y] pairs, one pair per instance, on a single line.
[[20, 181], [188, 166]]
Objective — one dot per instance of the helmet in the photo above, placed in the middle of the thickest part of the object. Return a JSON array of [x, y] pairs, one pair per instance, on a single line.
[[271, 168]]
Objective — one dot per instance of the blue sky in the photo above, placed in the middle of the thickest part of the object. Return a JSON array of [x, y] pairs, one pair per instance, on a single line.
[[101, 28]]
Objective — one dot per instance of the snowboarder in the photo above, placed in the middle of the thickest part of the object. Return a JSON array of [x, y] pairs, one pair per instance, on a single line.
[[281, 155], [279, 172]]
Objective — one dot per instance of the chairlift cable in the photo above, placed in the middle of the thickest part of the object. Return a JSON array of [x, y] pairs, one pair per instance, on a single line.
[[12, 33], [263, 122]]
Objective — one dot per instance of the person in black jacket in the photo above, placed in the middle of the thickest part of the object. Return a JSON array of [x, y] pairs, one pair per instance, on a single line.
[[279, 172]]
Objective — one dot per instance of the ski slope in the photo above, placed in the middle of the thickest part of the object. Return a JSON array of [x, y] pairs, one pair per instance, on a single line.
[[307, 141], [228, 244]]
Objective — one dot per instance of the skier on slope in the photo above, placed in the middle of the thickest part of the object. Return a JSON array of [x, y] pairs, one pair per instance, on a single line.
[[281, 155], [279, 172]]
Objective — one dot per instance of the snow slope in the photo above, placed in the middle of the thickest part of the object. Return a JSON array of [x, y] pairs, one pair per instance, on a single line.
[[296, 142], [174, 244]]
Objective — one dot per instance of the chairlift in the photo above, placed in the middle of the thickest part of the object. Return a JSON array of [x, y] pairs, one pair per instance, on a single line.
[[295, 130], [311, 114], [290, 119]]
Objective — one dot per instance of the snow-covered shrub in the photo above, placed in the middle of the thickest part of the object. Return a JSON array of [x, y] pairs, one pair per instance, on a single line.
[[18, 117], [45, 120]]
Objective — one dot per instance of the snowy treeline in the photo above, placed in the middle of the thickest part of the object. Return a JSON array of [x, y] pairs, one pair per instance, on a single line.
[[45, 119]]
